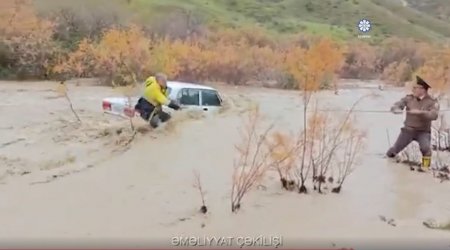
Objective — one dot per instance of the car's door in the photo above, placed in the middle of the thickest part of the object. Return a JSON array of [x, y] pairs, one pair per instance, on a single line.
[[189, 98], [210, 100]]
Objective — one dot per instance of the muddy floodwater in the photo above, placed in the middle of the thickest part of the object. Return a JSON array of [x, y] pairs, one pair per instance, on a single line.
[[62, 182]]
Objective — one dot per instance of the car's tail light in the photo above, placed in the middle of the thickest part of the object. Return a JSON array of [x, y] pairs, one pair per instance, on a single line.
[[106, 105], [129, 111]]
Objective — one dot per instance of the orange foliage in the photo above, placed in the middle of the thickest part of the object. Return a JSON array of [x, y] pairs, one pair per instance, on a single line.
[[18, 19], [27, 37], [241, 63], [284, 153], [312, 67], [246, 55], [120, 56], [398, 58], [80, 63], [436, 71], [191, 60], [232, 56], [328, 148]]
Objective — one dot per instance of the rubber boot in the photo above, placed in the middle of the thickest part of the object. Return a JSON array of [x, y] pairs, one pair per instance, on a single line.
[[426, 162]]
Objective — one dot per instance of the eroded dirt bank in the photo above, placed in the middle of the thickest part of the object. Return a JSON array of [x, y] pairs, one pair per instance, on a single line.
[[62, 180]]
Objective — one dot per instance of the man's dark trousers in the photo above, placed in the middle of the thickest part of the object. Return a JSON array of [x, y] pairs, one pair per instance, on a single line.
[[146, 109], [408, 135]]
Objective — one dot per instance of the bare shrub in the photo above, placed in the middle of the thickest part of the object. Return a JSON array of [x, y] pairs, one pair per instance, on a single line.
[[284, 148], [327, 151], [439, 134], [353, 145], [397, 50], [63, 90], [75, 20], [397, 73], [323, 130], [198, 186], [128, 92], [360, 59], [252, 158]]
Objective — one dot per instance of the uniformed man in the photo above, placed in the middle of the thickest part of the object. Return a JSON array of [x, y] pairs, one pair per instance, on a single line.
[[421, 110], [155, 95]]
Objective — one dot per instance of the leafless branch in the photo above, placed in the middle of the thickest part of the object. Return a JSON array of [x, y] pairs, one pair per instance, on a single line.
[[64, 91], [198, 185], [253, 159]]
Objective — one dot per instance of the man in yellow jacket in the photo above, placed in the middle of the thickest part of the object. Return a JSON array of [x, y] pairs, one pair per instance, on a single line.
[[155, 95]]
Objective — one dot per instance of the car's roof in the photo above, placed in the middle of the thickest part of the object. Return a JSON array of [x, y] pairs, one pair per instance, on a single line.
[[176, 84]]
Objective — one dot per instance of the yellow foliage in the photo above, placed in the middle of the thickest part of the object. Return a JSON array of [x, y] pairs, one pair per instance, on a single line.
[[120, 56], [241, 55], [165, 55], [436, 71], [282, 147], [19, 20], [311, 67], [27, 37], [79, 62]]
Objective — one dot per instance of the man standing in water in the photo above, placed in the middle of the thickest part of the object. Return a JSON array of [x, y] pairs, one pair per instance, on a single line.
[[421, 110]]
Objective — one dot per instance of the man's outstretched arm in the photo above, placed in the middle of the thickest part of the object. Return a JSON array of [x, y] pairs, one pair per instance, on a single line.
[[399, 106]]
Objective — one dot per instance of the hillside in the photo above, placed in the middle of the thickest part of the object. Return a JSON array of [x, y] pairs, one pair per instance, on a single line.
[[438, 8], [426, 20], [335, 17]]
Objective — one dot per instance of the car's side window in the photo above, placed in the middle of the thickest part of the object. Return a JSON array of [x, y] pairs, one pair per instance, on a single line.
[[210, 98], [189, 97]]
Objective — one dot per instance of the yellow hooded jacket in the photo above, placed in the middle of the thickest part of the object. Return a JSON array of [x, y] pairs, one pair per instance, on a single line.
[[154, 94]]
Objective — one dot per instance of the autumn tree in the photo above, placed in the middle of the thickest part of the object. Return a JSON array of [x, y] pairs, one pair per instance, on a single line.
[[27, 39], [360, 61], [399, 58], [316, 67], [121, 56], [80, 63], [436, 71], [164, 56], [312, 68], [327, 157], [98, 43], [397, 73], [192, 61]]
